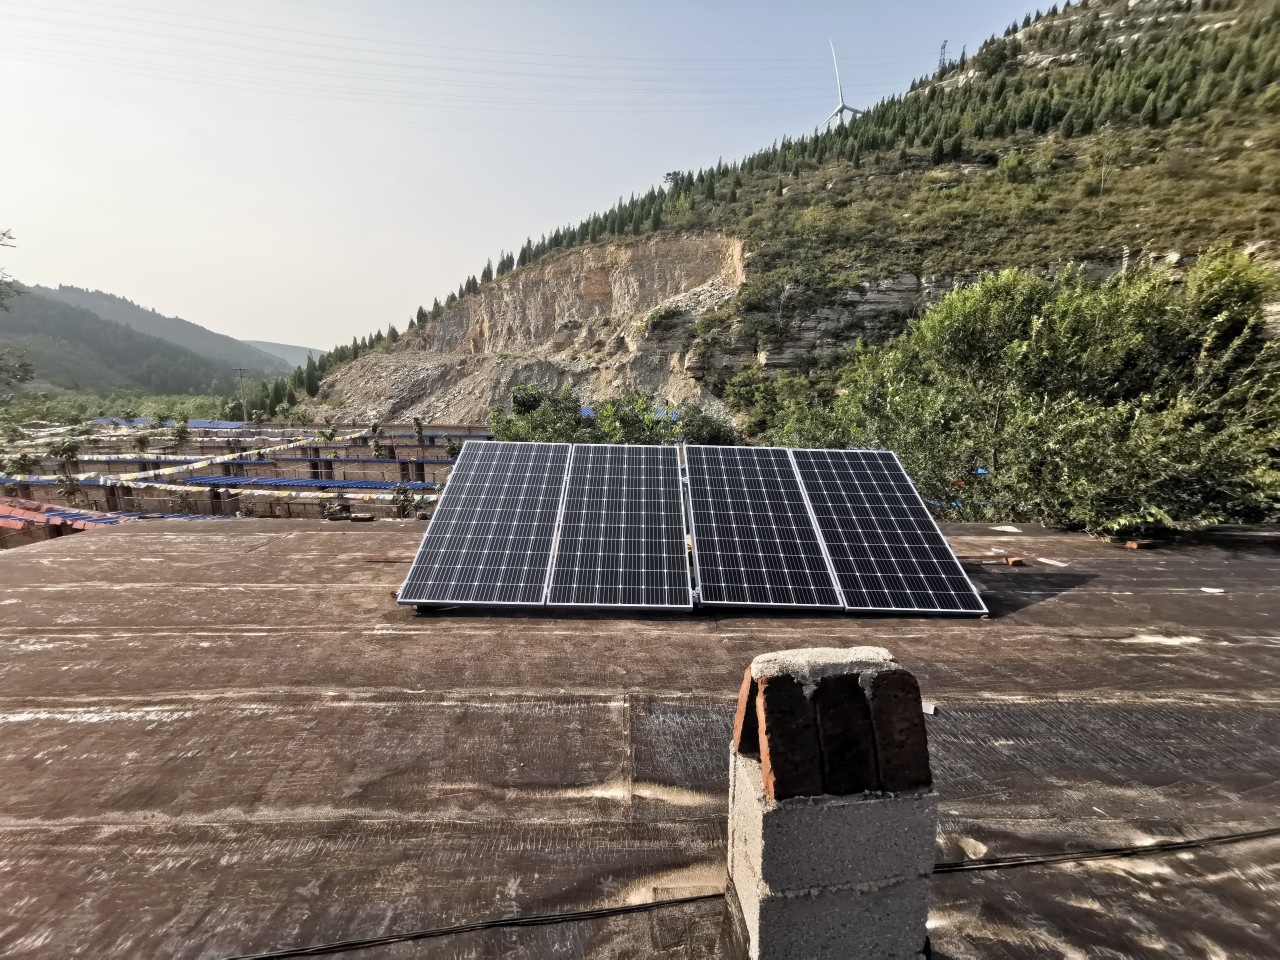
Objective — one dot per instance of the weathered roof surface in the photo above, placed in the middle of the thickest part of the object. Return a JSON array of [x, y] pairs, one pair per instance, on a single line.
[[225, 737]]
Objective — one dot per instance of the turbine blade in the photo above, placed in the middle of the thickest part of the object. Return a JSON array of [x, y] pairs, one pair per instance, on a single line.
[[839, 89]]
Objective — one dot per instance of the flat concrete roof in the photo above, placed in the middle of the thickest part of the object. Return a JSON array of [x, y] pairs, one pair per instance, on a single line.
[[225, 737]]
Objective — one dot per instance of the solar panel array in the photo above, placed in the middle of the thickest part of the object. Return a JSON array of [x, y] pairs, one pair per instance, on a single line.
[[622, 537], [600, 525]]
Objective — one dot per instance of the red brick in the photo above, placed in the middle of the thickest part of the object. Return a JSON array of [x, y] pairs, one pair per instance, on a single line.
[[846, 735], [902, 748], [746, 727], [790, 757]]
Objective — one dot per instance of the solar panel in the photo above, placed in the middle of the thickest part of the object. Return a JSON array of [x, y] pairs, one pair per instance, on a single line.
[[622, 539], [754, 541], [884, 545], [491, 536]]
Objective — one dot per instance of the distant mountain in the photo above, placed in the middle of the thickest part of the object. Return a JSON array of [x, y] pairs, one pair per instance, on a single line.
[[76, 349], [183, 333], [291, 354]]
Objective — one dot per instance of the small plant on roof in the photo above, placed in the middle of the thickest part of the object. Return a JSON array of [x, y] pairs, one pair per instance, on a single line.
[[403, 502], [336, 508]]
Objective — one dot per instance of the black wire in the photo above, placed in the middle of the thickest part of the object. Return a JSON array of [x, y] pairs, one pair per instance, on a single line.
[[342, 946], [948, 866], [1108, 853]]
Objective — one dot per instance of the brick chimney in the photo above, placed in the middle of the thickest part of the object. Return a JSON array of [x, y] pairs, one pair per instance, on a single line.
[[831, 812]]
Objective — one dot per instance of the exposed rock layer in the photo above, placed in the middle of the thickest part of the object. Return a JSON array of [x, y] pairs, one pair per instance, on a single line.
[[589, 318]]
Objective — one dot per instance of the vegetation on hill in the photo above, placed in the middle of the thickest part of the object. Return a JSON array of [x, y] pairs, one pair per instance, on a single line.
[[183, 333], [72, 348]]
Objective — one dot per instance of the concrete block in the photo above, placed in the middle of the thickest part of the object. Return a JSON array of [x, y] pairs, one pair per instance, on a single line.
[[807, 842], [888, 923], [811, 664]]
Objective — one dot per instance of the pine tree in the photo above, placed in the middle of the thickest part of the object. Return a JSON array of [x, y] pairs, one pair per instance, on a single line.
[[1150, 112], [937, 152], [956, 150], [392, 333], [422, 314], [1041, 118], [486, 274], [311, 377]]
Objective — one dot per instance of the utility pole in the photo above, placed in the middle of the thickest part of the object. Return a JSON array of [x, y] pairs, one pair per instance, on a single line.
[[244, 410], [942, 57]]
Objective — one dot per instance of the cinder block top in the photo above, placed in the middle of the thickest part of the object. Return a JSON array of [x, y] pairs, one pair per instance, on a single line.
[[811, 664], [833, 721]]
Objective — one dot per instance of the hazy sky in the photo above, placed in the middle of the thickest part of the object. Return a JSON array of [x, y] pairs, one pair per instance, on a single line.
[[306, 170]]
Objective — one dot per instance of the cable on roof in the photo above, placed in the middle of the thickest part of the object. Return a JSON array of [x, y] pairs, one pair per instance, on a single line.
[[1106, 853], [342, 946], [946, 866]]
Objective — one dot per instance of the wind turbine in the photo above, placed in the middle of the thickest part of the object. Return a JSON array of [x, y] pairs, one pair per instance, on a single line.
[[844, 107]]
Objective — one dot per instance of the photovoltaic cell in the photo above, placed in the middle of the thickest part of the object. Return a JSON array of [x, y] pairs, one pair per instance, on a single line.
[[754, 541], [887, 552], [491, 536], [622, 532]]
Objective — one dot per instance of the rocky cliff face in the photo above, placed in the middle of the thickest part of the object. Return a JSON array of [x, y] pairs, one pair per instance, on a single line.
[[605, 319]]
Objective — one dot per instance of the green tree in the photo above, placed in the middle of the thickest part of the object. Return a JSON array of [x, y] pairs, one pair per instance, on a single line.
[[14, 367], [563, 416], [937, 153], [1127, 406], [22, 465], [311, 377], [65, 451]]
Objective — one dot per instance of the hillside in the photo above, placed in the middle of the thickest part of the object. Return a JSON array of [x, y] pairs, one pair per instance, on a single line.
[[75, 349], [1094, 133], [291, 354], [183, 333]]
